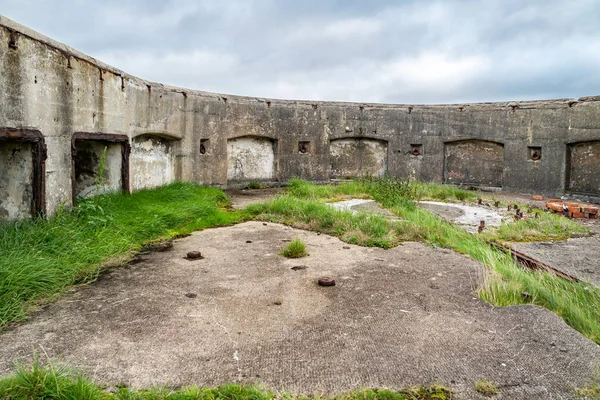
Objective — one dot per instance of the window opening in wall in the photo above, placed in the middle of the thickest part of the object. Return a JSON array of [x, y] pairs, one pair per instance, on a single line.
[[304, 147], [100, 164], [203, 146], [416, 149], [535, 153]]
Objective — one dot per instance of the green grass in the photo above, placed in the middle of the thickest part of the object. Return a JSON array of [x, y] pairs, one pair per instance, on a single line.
[[42, 258], [254, 185], [592, 391], [363, 229], [548, 226], [294, 249], [302, 206], [60, 383], [486, 388]]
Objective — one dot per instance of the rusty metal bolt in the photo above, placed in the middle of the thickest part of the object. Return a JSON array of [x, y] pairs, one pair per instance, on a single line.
[[497, 203], [479, 200], [481, 226], [326, 281], [535, 155], [416, 151], [194, 255]]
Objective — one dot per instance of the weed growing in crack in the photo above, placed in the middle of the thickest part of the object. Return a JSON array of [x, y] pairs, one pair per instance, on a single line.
[[486, 388]]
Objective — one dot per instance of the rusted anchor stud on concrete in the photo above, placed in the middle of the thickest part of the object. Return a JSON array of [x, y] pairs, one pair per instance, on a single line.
[[479, 200], [481, 226], [194, 255], [497, 203], [326, 281]]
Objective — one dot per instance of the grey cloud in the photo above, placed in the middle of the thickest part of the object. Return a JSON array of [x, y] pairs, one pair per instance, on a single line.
[[390, 51]]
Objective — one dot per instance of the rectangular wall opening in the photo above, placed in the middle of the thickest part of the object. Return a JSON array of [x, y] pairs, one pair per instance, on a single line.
[[100, 164], [22, 161]]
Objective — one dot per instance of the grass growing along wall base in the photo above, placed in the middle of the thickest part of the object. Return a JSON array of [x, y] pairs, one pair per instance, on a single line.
[[42, 258]]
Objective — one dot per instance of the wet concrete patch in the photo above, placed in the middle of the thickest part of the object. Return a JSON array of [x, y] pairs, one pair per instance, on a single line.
[[468, 217], [396, 318], [363, 205]]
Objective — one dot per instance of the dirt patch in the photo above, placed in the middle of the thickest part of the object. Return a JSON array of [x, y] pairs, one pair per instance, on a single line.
[[242, 198], [395, 318]]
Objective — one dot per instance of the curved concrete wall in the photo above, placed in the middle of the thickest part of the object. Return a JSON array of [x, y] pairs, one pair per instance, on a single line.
[[50, 88]]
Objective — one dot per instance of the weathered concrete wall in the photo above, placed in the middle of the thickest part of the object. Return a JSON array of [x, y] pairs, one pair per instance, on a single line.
[[16, 174], [151, 161], [474, 162], [584, 167], [251, 159], [47, 86], [358, 157]]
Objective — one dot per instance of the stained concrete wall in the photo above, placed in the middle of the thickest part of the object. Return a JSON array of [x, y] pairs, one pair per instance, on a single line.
[[16, 175], [57, 90], [356, 157], [474, 162], [152, 161], [584, 168]]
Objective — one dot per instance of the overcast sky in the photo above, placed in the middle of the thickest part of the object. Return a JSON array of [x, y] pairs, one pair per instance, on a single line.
[[413, 51]]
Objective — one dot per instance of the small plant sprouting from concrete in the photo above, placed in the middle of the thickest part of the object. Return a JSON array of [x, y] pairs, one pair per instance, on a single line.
[[486, 388], [254, 185], [592, 391], [295, 249]]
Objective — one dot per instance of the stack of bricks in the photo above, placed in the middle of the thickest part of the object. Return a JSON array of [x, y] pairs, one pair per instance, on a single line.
[[575, 210]]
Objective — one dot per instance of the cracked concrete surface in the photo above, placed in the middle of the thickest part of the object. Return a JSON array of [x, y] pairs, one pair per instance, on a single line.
[[398, 317]]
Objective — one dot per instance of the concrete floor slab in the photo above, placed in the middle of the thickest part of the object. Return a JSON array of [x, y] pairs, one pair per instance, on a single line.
[[398, 317], [578, 257]]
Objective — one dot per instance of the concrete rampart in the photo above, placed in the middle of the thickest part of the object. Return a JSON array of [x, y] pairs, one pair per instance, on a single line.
[[547, 147]]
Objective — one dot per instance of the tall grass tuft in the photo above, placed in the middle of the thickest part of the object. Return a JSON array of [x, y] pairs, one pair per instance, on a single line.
[[295, 249]]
